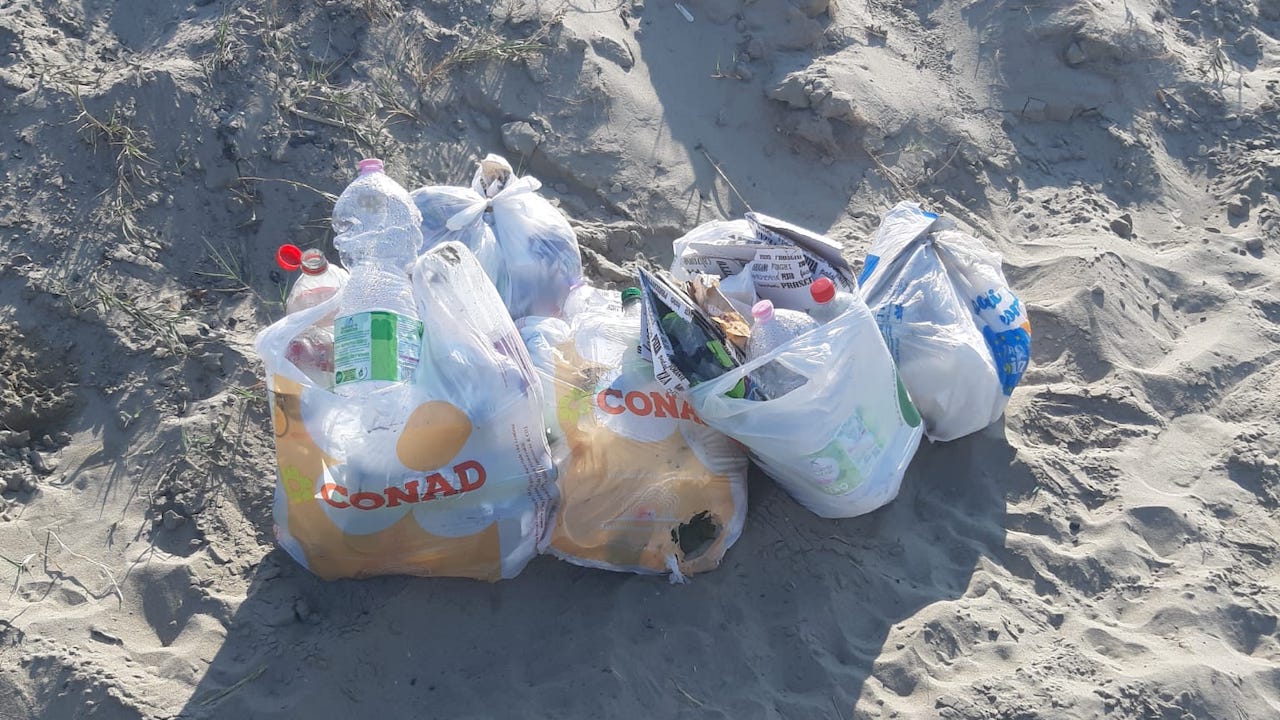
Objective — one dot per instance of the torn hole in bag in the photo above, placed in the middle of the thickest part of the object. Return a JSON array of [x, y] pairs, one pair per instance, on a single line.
[[696, 536]]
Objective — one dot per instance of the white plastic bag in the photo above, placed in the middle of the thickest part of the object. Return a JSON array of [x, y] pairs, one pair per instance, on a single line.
[[533, 257], [960, 336], [840, 443], [645, 485], [449, 474], [439, 203]]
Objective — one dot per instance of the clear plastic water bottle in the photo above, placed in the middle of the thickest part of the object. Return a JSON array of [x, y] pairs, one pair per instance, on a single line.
[[631, 304], [774, 328], [320, 280], [378, 332], [373, 201], [312, 349], [830, 302]]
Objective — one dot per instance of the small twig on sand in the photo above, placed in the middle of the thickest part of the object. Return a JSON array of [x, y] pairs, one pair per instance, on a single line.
[[326, 195], [836, 705], [20, 566], [239, 684], [696, 702], [106, 570], [720, 172]]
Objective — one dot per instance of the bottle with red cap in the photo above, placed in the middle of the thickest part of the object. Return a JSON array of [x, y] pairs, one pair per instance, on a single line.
[[312, 349], [830, 302], [320, 279]]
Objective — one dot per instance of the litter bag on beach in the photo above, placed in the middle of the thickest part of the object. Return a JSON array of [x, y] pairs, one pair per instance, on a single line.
[[524, 243], [449, 474], [959, 334], [645, 485], [840, 441]]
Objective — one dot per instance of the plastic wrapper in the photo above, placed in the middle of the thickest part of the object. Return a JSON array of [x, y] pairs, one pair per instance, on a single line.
[[646, 486], [449, 474], [959, 334]]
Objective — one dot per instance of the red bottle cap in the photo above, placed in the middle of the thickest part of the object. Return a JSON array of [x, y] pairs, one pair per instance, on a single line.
[[369, 165], [823, 290], [289, 258]]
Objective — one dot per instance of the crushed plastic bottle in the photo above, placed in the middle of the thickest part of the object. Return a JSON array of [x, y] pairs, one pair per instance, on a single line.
[[373, 201], [377, 332], [774, 328], [831, 303], [311, 351]]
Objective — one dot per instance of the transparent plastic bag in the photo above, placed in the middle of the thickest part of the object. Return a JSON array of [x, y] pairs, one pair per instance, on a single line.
[[840, 443], [438, 204], [645, 485], [449, 474], [534, 261], [960, 336]]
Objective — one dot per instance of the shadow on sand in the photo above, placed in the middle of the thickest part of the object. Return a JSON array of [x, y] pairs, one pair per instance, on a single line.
[[791, 625]]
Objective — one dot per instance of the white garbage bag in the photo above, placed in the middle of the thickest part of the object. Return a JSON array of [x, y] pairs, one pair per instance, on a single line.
[[448, 474], [841, 442], [525, 244], [960, 336]]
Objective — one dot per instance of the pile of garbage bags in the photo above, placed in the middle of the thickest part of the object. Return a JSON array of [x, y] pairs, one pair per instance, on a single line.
[[457, 398]]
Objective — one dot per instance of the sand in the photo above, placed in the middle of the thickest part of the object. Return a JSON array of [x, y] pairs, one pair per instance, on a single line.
[[1108, 550]]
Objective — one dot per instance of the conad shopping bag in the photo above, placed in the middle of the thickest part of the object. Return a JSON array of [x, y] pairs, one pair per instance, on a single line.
[[645, 485], [959, 334], [449, 474]]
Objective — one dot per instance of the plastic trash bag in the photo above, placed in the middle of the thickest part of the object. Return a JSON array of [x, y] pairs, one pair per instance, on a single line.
[[439, 203], [449, 474], [645, 485], [841, 442], [524, 243], [959, 334]]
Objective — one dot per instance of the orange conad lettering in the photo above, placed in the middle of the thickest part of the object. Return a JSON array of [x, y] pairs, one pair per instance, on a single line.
[[326, 493], [605, 406], [639, 403], [470, 475]]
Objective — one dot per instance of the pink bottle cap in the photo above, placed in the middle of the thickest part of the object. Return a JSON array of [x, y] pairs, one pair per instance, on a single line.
[[823, 290], [369, 165], [762, 311], [289, 258]]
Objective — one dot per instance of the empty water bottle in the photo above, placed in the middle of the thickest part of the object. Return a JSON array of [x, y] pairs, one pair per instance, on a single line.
[[830, 302], [774, 328], [373, 201], [311, 351], [378, 332]]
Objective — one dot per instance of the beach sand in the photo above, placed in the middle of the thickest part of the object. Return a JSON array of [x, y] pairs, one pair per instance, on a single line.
[[1109, 549]]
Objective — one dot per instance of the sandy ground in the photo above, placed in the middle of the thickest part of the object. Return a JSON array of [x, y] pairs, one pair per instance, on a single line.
[[1109, 550]]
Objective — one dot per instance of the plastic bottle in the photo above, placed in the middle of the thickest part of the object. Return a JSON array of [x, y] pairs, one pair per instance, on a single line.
[[312, 349], [774, 328], [631, 304], [373, 201], [831, 303], [377, 332], [320, 280]]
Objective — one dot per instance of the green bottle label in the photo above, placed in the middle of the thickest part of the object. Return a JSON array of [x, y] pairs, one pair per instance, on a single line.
[[375, 345]]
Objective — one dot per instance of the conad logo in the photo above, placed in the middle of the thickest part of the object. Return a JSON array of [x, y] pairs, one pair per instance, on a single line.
[[470, 476], [637, 407]]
